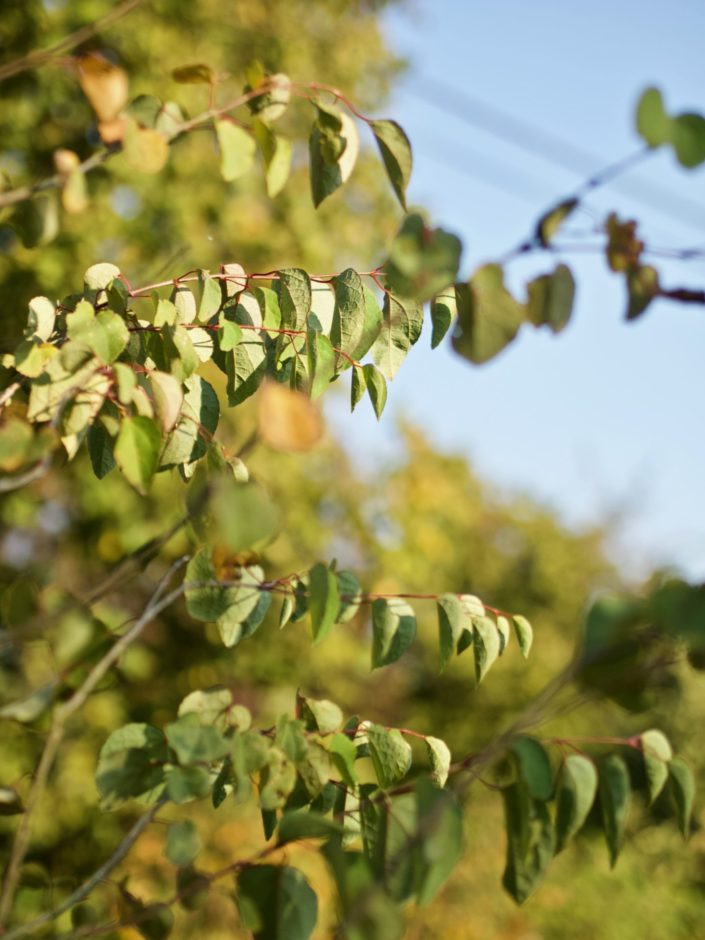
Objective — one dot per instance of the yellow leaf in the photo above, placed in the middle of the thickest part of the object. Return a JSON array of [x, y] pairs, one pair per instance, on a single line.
[[288, 420], [105, 85]]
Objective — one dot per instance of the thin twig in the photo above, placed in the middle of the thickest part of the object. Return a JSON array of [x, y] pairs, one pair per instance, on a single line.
[[41, 56], [62, 713], [90, 883]]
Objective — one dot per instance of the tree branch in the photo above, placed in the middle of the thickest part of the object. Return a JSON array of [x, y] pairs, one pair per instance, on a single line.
[[62, 713]]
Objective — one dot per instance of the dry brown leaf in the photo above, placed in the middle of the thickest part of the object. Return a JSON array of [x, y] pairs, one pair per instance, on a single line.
[[288, 420], [105, 85]]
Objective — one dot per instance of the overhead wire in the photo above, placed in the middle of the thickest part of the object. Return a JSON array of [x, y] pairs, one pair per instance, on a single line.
[[548, 146]]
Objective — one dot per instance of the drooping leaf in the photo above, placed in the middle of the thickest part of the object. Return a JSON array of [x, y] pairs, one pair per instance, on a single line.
[[237, 149], [488, 316], [551, 298], [197, 423], [376, 388], [319, 714], [652, 121], [396, 153], [294, 290], [682, 786], [288, 420], [321, 363], [439, 757], [145, 149], [210, 296], [643, 287], [577, 786], [688, 139], [276, 903], [657, 753], [485, 645], [358, 386], [276, 153], [444, 310], [324, 600], [333, 148], [390, 753], [524, 634], [451, 622], [530, 841], [422, 261], [303, 824], [400, 329], [393, 630], [137, 451], [131, 765], [615, 799], [534, 767], [198, 74], [349, 312]]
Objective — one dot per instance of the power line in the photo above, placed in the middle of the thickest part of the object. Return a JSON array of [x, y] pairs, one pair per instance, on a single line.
[[548, 146]]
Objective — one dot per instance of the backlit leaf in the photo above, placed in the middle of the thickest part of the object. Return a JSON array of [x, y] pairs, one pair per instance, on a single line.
[[396, 153]]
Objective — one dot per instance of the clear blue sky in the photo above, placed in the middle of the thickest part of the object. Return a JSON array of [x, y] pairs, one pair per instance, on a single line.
[[607, 417]]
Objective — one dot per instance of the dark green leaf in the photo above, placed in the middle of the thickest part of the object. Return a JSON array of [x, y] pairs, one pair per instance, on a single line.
[[486, 645], [396, 153], [302, 824], [615, 800], [376, 388], [276, 903], [682, 785], [400, 329], [324, 601], [393, 630], [549, 224], [577, 786], [422, 261], [349, 312], [451, 622], [444, 309], [194, 74], [194, 743], [534, 767], [688, 138], [294, 289], [131, 765], [358, 386], [530, 841], [100, 450]]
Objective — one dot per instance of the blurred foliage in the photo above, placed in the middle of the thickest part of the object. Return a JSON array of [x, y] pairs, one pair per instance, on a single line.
[[67, 532]]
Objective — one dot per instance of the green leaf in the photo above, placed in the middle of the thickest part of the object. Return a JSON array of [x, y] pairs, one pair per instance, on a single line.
[[439, 757], [41, 318], [488, 316], [99, 276], [551, 299], [530, 841], [577, 786], [486, 644], [390, 753], [615, 800], [287, 609], [276, 903], [682, 786], [184, 784], [131, 765], [350, 593], [137, 451], [277, 780], [185, 304], [534, 767], [652, 122], [215, 707], [688, 138], [183, 843], [333, 148], [393, 630], [210, 296], [276, 153], [502, 625], [524, 634], [396, 153], [237, 149], [100, 450], [195, 743], [358, 386], [549, 224], [271, 104], [199, 416], [248, 364], [321, 363], [451, 623], [324, 601], [376, 388], [319, 714], [657, 753], [349, 312], [344, 754], [303, 824], [400, 329], [294, 289], [371, 325], [105, 334], [444, 309], [422, 261], [243, 618]]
